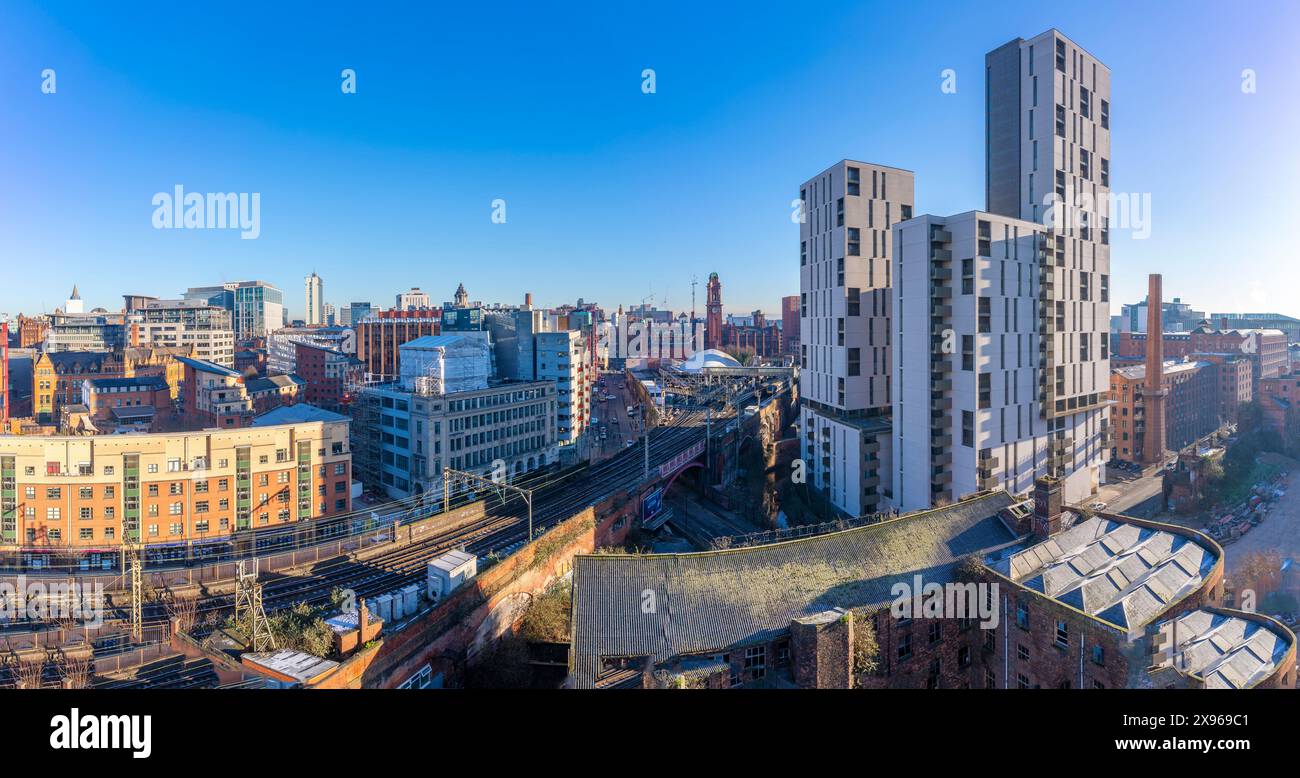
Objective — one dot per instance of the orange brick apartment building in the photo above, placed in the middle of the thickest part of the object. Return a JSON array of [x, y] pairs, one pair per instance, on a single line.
[[292, 464]]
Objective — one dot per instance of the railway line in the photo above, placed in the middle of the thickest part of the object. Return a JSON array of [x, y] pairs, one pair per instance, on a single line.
[[504, 525]]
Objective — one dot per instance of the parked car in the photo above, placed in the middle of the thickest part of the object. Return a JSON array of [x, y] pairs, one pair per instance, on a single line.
[[1097, 506]]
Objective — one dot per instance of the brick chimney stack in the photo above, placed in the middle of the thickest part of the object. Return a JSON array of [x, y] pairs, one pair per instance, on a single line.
[[1047, 506], [1153, 389]]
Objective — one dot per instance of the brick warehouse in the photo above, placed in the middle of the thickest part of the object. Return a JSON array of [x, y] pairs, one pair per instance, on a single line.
[[785, 615]]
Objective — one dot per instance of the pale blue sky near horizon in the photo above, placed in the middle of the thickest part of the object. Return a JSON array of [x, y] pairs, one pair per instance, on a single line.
[[611, 195]]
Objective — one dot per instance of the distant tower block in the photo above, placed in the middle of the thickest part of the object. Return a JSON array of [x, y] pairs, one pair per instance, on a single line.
[[1153, 390]]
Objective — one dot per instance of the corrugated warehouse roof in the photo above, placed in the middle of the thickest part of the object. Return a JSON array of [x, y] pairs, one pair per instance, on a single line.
[[711, 601]]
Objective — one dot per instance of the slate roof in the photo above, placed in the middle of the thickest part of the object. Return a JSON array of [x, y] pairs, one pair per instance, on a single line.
[[205, 366], [73, 362], [1226, 651], [271, 383], [712, 601], [1122, 573]]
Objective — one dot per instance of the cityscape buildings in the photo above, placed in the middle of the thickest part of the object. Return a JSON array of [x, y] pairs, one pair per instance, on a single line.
[[314, 293]]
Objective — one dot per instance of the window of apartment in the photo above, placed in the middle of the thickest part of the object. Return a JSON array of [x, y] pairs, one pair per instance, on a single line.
[[968, 429], [855, 362], [839, 331], [855, 242], [1062, 634], [1105, 114], [839, 212], [985, 390], [968, 276], [1105, 171], [985, 310], [854, 302], [756, 662], [1022, 615], [985, 239], [963, 657], [782, 653], [87, 513], [839, 272], [1022, 652], [936, 631], [1060, 186], [1099, 655], [1085, 164], [841, 391], [990, 680], [1060, 121], [904, 646], [803, 253], [1085, 103], [854, 181], [967, 352]]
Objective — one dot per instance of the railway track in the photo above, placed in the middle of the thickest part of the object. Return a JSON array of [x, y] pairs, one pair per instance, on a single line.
[[503, 526]]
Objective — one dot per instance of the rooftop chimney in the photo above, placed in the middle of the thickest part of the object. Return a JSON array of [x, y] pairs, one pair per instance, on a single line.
[[1047, 506], [528, 300], [1153, 390]]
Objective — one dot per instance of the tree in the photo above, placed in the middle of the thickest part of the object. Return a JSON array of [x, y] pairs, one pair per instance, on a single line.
[[866, 648], [547, 617], [1260, 571], [76, 672], [302, 628], [29, 674]]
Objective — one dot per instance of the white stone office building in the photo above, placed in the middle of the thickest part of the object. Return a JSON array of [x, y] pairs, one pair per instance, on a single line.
[[446, 411], [845, 274], [185, 324]]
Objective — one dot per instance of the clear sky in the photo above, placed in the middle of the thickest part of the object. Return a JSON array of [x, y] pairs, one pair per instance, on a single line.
[[611, 195]]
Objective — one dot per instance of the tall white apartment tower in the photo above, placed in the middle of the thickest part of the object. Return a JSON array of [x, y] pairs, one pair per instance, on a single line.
[[845, 275], [1001, 368], [315, 290]]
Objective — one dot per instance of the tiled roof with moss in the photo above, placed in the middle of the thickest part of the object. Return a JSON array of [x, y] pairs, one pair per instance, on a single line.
[[666, 605]]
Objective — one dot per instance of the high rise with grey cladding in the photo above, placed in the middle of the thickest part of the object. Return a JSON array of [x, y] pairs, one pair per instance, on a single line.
[[1001, 369], [844, 351]]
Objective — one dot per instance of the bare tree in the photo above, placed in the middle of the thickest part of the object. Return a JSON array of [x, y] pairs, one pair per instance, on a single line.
[[29, 674], [75, 671], [185, 611]]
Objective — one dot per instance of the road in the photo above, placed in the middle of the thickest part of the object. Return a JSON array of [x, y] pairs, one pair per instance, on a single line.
[[613, 415]]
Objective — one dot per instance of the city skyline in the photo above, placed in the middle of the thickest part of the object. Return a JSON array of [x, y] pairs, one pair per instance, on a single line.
[[391, 189]]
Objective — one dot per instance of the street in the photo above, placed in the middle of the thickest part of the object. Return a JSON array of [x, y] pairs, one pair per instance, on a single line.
[[613, 416]]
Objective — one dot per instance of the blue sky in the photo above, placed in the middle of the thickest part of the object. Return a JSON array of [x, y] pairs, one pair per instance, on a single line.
[[611, 194]]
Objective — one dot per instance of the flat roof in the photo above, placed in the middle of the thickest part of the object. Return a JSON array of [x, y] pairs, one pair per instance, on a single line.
[[1122, 573], [300, 666], [452, 560], [296, 414], [1226, 651], [139, 382]]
